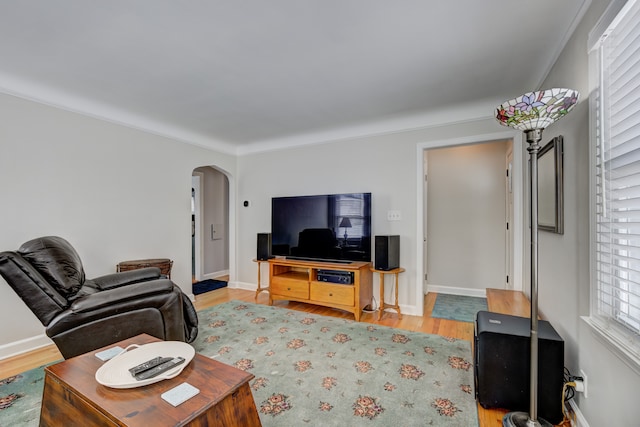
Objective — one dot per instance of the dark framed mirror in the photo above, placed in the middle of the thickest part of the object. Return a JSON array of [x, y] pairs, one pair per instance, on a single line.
[[550, 187]]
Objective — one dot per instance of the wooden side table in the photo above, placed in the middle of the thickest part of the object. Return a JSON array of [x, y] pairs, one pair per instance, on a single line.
[[72, 396], [383, 305], [260, 288], [164, 264]]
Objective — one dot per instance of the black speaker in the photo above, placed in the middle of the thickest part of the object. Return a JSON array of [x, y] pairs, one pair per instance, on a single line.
[[264, 246], [502, 363], [387, 252]]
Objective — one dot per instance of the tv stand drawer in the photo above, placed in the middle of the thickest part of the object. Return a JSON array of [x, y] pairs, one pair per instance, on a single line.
[[289, 288], [335, 294]]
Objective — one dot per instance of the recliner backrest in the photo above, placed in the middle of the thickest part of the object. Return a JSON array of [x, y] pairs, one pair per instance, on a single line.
[[37, 293], [57, 261]]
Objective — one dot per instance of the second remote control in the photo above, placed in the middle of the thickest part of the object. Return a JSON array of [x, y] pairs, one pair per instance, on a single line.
[[153, 372], [148, 365]]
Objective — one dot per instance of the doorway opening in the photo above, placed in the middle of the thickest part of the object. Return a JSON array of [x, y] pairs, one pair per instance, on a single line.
[[454, 233], [210, 225]]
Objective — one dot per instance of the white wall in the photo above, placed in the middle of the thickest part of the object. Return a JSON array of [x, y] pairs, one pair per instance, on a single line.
[[385, 165], [564, 259], [466, 217], [115, 193]]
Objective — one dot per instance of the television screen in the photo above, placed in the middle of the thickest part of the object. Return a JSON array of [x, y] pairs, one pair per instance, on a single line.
[[335, 227]]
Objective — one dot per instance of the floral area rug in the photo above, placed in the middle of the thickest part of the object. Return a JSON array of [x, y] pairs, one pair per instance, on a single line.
[[20, 398], [315, 370], [458, 307]]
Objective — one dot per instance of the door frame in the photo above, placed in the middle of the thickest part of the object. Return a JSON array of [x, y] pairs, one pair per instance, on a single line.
[[518, 223], [231, 226], [196, 180]]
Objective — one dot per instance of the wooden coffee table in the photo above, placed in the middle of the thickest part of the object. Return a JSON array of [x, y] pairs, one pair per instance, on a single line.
[[72, 396]]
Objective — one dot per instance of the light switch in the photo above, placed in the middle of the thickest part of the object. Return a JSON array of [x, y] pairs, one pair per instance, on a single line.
[[393, 216], [216, 231]]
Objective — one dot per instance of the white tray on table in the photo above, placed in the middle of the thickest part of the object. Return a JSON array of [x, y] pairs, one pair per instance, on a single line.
[[115, 373]]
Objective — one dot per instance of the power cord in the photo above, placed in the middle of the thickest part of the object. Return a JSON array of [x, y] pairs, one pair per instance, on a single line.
[[568, 393], [374, 308]]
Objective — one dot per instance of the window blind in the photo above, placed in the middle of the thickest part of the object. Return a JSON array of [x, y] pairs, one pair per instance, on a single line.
[[351, 207], [616, 110]]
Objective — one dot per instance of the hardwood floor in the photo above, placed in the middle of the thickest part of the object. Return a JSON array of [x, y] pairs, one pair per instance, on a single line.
[[501, 301]]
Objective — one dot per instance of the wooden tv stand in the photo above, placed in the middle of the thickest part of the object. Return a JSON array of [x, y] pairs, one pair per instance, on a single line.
[[297, 280]]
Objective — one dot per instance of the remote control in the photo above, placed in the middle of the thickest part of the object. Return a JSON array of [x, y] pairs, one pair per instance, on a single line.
[[148, 365], [153, 372], [180, 394], [109, 353]]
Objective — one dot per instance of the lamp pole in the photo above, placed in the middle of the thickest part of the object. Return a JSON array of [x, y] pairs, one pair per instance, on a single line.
[[533, 137], [518, 419]]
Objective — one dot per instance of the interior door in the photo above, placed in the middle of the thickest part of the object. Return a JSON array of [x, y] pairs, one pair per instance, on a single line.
[[425, 258], [509, 216]]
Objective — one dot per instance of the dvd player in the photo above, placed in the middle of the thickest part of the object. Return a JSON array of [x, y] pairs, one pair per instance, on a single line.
[[336, 276]]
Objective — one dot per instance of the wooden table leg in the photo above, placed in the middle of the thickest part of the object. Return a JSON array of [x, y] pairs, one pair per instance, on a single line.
[[260, 288], [383, 304], [381, 296], [397, 306]]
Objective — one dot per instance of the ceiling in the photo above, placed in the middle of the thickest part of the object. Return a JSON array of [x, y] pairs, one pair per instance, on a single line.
[[246, 75]]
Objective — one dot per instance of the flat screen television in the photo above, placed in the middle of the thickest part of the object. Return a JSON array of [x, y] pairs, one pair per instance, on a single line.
[[330, 227]]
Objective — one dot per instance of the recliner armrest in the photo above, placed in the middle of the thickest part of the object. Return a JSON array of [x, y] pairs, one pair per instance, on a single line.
[[160, 294], [113, 297], [115, 280]]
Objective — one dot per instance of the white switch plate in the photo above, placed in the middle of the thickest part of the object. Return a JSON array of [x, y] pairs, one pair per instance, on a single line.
[[393, 216]]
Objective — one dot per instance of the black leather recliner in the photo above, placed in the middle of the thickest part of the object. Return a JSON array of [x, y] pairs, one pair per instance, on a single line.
[[81, 315]]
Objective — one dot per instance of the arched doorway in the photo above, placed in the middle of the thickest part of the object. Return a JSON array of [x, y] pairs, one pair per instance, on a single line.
[[210, 229]]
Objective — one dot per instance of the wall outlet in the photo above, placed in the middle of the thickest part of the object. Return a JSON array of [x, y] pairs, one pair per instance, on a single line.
[[393, 216], [584, 384]]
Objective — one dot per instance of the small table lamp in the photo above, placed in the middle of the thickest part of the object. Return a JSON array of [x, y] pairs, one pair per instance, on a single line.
[[346, 223]]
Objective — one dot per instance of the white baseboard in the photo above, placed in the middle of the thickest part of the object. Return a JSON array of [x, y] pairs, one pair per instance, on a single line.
[[580, 421], [215, 274], [243, 285], [29, 344], [409, 310], [469, 292]]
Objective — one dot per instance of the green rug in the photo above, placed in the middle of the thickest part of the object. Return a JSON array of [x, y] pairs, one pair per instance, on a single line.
[[20, 398], [322, 371], [458, 307]]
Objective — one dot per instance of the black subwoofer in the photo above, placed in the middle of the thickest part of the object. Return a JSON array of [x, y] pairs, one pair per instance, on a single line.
[[502, 361]]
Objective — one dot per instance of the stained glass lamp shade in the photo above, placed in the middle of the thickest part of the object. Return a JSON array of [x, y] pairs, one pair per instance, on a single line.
[[537, 110], [532, 113]]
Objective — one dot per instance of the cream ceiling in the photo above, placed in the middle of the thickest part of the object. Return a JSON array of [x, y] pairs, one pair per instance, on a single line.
[[243, 75]]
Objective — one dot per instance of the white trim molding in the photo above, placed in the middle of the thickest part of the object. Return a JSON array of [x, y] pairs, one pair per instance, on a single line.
[[452, 290], [614, 343], [22, 346], [215, 274], [580, 420]]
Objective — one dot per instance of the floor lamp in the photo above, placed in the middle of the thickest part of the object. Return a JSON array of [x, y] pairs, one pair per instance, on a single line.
[[532, 113]]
